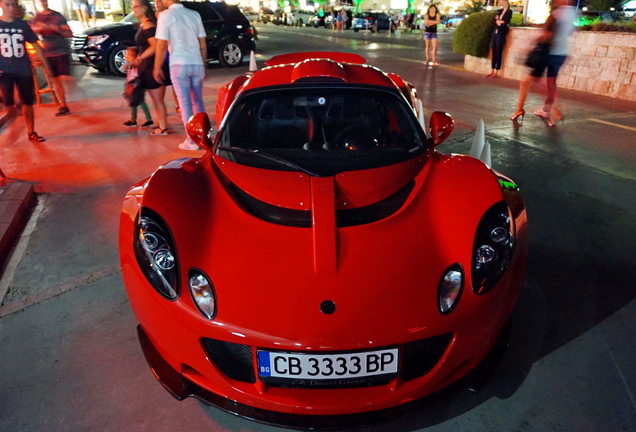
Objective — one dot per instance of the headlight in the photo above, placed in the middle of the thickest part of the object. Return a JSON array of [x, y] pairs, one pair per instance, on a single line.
[[95, 40], [202, 293], [156, 253], [492, 251], [450, 288]]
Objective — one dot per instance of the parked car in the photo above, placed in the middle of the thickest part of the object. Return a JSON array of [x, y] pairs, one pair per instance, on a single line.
[[300, 17], [320, 257], [317, 20], [252, 16], [266, 15], [373, 21], [229, 38]]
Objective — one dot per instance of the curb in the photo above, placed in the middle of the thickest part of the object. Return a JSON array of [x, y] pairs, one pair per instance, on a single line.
[[15, 199], [5, 116]]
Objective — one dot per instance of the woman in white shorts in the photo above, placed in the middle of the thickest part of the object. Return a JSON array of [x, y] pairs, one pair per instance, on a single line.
[[81, 9]]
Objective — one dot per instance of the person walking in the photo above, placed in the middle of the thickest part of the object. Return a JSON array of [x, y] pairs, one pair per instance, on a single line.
[[52, 28], [133, 92], [81, 9], [181, 31], [15, 64], [431, 19], [556, 33], [499, 38], [161, 8], [91, 14], [339, 22], [147, 42]]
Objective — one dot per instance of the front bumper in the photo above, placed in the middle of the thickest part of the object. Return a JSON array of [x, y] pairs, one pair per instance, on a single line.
[[180, 387]]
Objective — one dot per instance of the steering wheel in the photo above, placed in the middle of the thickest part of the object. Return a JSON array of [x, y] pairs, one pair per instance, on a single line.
[[356, 137]]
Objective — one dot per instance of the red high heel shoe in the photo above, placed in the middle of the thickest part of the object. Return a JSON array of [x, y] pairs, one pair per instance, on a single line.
[[516, 115]]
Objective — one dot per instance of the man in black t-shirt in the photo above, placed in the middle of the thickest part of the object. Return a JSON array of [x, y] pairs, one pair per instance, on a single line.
[[53, 30], [15, 64]]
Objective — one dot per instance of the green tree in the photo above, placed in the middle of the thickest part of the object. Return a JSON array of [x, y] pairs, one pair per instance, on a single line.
[[603, 5], [473, 6], [472, 36]]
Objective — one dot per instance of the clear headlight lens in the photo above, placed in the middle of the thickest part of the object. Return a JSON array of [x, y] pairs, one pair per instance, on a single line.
[[95, 40], [450, 288], [156, 253], [202, 293], [493, 247]]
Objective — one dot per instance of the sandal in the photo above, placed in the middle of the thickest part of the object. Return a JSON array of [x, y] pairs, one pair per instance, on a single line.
[[159, 131], [63, 111], [34, 137]]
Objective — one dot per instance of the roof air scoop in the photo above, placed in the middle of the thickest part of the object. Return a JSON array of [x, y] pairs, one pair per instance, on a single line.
[[319, 69]]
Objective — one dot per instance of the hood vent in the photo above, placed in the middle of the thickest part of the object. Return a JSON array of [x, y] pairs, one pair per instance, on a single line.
[[271, 213], [376, 211], [302, 218]]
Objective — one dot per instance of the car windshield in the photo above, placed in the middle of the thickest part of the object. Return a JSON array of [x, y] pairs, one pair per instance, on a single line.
[[131, 18], [322, 131]]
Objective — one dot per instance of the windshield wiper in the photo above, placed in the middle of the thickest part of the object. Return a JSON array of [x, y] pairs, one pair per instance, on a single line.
[[270, 158]]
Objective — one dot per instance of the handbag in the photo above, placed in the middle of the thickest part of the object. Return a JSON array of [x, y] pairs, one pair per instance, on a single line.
[[134, 92], [538, 57]]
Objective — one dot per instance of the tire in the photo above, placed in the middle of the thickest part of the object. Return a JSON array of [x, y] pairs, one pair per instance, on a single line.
[[116, 60], [230, 54]]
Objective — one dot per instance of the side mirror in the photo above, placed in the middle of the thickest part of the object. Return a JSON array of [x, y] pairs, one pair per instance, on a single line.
[[441, 124], [198, 129]]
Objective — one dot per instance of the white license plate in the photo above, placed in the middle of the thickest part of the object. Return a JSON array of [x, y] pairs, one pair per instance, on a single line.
[[336, 366], [75, 57]]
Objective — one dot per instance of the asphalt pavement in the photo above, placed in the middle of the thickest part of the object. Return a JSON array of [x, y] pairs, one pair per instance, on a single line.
[[70, 360]]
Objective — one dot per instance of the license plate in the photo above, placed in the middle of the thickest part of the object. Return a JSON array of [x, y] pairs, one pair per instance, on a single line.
[[346, 369], [75, 57]]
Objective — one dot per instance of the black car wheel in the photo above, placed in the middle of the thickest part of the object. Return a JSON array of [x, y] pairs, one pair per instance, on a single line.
[[117, 60], [230, 54]]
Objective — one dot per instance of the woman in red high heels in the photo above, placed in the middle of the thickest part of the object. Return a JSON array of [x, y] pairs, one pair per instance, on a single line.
[[556, 32]]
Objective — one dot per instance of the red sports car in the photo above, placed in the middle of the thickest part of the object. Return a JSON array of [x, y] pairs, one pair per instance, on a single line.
[[322, 258]]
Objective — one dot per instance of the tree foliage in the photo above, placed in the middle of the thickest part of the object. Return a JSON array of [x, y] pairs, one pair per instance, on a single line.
[[603, 5], [472, 36]]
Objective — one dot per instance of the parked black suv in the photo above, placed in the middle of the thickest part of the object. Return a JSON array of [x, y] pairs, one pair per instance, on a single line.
[[229, 36]]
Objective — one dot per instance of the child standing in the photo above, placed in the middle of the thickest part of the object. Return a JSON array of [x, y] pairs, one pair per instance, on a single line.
[[133, 92]]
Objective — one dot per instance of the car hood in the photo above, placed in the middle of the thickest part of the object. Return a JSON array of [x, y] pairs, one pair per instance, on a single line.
[[270, 277], [108, 28]]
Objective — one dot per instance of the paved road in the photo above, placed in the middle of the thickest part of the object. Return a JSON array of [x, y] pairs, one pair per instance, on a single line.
[[70, 360]]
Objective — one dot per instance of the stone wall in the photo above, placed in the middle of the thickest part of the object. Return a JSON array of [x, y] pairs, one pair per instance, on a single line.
[[599, 63]]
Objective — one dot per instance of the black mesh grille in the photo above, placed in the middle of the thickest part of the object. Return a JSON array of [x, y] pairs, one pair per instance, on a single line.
[[421, 356], [234, 360]]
